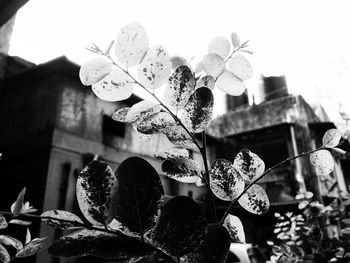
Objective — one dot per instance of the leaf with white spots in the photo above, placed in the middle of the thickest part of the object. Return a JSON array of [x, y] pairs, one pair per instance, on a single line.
[[178, 136], [95, 187], [255, 200], [180, 87], [61, 219], [94, 70], [3, 222], [331, 138], [155, 123], [235, 40], [323, 161], [121, 115], [225, 181], [199, 110], [142, 110], [33, 247], [11, 241], [115, 86], [207, 82], [249, 165], [177, 61], [220, 45], [235, 227], [241, 67], [172, 153], [155, 68], [230, 84], [181, 169], [4, 255], [213, 64], [131, 44]]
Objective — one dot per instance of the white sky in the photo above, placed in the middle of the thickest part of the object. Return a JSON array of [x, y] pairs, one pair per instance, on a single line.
[[308, 41]]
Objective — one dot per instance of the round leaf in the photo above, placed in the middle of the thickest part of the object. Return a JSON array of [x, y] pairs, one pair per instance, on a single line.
[[220, 45], [241, 67], [172, 153], [225, 182], [4, 255], [181, 169], [155, 123], [131, 44], [121, 115], [331, 138], [95, 187], [141, 110], [115, 86], [249, 165], [214, 248], [206, 82], [235, 40], [33, 247], [139, 196], [61, 219], [181, 227], [235, 227], [94, 70], [155, 69], [213, 64], [199, 110], [323, 161], [178, 136], [255, 200], [180, 88], [230, 84], [177, 61]]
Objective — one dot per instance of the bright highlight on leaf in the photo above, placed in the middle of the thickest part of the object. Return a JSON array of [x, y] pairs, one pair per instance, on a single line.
[[249, 165], [172, 153], [94, 70], [181, 169], [241, 67], [323, 161], [235, 227], [220, 45], [115, 86], [141, 110], [61, 219], [230, 84], [225, 181], [213, 64], [131, 44], [331, 138], [255, 200]]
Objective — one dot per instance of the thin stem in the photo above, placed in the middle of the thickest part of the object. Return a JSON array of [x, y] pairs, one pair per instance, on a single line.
[[206, 175], [261, 176]]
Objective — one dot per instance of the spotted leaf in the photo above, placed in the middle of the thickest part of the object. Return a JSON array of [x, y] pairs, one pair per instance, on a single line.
[[95, 187], [331, 138], [220, 45], [155, 123], [199, 110], [139, 196], [121, 115], [94, 70], [181, 227], [249, 165], [181, 169], [323, 161], [241, 67], [255, 200], [61, 219], [131, 44], [141, 110], [3, 222], [172, 153], [155, 68], [213, 64], [178, 136], [4, 255], [230, 84], [115, 86], [235, 227], [33, 247], [225, 181], [206, 82]]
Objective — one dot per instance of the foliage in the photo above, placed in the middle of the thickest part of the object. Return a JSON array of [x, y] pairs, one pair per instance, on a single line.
[[126, 215]]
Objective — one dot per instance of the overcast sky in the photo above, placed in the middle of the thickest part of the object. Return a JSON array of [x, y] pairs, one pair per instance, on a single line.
[[308, 41]]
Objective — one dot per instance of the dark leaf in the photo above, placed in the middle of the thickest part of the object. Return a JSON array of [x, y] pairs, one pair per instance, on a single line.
[[180, 228], [214, 248], [61, 219], [199, 110], [95, 187], [139, 196], [98, 243], [181, 169]]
